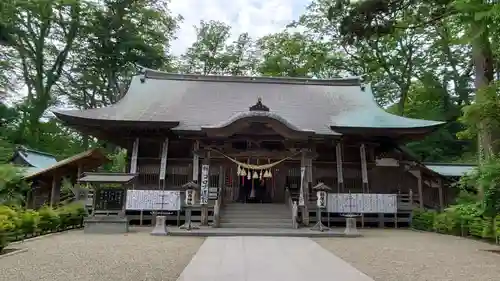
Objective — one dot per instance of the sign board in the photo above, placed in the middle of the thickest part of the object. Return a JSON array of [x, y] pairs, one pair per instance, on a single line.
[[213, 193], [111, 199], [362, 203], [152, 200], [205, 175]]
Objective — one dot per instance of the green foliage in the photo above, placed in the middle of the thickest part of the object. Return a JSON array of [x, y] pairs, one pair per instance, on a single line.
[[29, 220], [6, 226], [422, 219], [118, 161], [12, 185], [16, 222], [49, 219]]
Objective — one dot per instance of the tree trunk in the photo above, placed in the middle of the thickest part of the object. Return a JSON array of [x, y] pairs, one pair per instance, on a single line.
[[483, 65]]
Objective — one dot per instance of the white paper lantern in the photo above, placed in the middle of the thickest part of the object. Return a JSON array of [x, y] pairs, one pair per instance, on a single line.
[[190, 197], [321, 199]]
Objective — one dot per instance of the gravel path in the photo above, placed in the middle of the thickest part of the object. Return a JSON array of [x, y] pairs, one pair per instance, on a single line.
[[405, 255], [77, 256]]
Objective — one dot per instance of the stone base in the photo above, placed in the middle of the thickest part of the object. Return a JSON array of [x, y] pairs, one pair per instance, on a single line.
[[160, 227], [102, 224], [350, 227]]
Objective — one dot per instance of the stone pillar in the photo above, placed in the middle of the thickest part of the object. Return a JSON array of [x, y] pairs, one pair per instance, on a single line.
[[340, 169]]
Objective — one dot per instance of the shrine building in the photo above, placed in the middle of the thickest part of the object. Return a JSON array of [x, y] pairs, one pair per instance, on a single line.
[[256, 145]]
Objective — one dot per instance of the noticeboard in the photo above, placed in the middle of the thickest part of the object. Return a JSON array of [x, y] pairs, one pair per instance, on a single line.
[[111, 199]]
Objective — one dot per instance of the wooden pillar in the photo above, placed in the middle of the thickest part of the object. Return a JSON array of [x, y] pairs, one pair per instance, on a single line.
[[163, 164], [420, 189], [441, 198], [364, 168], [133, 160], [204, 207], [340, 169], [55, 191]]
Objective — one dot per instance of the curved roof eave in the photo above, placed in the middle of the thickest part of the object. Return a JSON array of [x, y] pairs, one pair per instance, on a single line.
[[257, 114], [68, 117]]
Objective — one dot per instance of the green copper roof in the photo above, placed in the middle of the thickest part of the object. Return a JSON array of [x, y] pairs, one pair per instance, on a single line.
[[451, 170], [370, 115], [36, 159]]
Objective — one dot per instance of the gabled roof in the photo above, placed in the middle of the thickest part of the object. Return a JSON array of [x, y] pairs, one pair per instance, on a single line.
[[193, 102], [450, 170], [34, 158], [92, 158]]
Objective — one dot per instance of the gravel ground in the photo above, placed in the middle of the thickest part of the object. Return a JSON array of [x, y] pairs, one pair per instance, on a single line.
[[77, 256], [405, 255]]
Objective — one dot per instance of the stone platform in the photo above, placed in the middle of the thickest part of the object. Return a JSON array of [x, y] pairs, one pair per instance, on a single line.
[[275, 232]]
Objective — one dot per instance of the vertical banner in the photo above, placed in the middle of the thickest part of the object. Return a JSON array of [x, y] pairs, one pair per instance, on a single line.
[[301, 193], [205, 172], [196, 161], [163, 163], [340, 171], [133, 161], [364, 169]]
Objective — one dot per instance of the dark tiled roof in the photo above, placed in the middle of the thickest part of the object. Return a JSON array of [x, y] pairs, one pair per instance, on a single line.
[[197, 101]]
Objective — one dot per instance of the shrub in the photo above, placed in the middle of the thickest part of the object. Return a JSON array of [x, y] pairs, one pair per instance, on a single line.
[[29, 221], [481, 227], [71, 215], [447, 222], [6, 226], [423, 219], [49, 219], [11, 215]]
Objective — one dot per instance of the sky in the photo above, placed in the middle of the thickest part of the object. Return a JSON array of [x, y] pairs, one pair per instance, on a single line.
[[257, 17]]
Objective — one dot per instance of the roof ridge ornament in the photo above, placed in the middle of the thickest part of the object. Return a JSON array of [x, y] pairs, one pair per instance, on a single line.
[[259, 106]]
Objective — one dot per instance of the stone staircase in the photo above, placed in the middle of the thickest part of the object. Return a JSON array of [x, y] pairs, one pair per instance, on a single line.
[[239, 215]]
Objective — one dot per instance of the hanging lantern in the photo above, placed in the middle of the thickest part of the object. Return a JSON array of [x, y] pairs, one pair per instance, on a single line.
[[261, 174], [255, 175], [243, 172], [239, 171], [249, 176], [270, 173]]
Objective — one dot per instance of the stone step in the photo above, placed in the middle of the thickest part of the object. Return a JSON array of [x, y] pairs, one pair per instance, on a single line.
[[256, 225], [256, 220], [248, 216]]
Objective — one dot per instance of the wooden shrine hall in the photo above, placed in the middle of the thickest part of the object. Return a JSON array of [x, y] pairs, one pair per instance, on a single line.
[[256, 145]]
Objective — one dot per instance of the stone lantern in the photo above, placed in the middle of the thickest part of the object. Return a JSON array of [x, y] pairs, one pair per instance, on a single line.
[[191, 188], [321, 204]]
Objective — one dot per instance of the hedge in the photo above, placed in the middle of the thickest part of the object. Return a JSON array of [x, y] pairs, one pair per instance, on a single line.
[[18, 224], [457, 220]]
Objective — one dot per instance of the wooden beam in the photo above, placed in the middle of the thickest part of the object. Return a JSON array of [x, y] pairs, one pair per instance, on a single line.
[[440, 191], [420, 189]]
